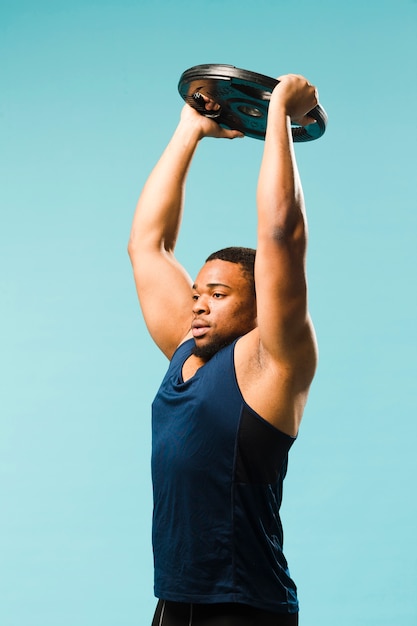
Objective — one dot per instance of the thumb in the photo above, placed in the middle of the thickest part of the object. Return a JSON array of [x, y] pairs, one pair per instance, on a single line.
[[304, 121], [230, 134]]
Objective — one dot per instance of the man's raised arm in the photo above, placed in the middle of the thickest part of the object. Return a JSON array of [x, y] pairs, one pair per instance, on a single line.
[[285, 330], [163, 286]]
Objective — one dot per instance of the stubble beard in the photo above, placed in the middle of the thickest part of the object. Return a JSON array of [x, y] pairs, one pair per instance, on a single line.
[[208, 351]]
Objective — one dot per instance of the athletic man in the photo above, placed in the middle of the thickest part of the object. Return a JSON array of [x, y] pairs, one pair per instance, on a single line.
[[230, 405]]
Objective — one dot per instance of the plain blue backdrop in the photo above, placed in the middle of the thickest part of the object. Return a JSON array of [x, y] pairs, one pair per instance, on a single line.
[[89, 100]]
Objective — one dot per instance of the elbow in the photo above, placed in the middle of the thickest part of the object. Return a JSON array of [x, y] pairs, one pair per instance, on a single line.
[[288, 225], [280, 233], [131, 248], [288, 231], [130, 245], [137, 242]]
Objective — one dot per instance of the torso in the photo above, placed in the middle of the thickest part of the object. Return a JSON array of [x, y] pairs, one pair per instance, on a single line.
[[218, 470]]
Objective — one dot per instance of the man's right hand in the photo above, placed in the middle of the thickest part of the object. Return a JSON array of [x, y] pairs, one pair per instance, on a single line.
[[206, 126]]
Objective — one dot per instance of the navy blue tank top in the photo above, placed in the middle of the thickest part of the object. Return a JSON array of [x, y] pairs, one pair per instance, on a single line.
[[217, 470]]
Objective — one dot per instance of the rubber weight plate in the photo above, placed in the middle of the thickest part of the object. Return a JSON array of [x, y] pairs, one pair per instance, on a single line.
[[241, 100]]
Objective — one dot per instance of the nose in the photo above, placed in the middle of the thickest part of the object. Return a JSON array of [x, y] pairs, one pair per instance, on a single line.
[[200, 305]]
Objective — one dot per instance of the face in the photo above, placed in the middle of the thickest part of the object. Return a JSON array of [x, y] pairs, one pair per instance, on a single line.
[[224, 307]]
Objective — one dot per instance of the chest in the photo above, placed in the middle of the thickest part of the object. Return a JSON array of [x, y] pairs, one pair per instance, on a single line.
[[195, 417]]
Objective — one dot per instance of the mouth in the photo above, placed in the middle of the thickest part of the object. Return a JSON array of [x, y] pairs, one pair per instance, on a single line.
[[199, 328]]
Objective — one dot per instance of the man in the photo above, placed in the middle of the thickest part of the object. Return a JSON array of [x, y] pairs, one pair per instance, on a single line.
[[231, 403]]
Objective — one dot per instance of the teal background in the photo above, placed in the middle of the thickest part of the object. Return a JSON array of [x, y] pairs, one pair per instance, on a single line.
[[88, 101]]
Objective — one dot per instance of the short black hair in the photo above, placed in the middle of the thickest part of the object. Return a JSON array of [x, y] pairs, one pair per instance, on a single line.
[[245, 257]]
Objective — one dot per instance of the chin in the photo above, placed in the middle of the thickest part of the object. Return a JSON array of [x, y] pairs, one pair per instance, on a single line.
[[207, 351]]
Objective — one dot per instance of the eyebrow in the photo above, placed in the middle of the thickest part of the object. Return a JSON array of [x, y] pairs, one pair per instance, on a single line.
[[212, 286]]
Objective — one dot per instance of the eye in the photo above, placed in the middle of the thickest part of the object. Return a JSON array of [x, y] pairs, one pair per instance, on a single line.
[[218, 295], [195, 296]]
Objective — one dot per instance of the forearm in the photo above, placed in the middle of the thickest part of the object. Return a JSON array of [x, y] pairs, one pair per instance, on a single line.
[[158, 213], [279, 195]]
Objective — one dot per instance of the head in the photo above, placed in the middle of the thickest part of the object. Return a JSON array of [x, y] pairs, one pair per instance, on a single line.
[[224, 300]]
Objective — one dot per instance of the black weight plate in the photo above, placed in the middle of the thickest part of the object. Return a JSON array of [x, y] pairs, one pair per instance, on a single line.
[[242, 100]]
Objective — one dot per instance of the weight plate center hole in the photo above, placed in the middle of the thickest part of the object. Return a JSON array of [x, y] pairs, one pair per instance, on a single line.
[[250, 111]]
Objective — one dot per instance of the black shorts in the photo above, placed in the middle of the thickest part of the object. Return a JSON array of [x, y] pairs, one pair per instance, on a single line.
[[229, 614]]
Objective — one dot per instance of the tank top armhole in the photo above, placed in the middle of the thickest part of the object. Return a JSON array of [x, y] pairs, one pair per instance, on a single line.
[[247, 406]]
